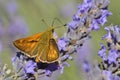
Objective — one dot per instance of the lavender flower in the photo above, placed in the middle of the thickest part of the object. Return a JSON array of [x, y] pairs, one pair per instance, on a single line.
[[12, 7], [1, 34], [1, 28], [86, 66], [30, 67], [62, 44], [17, 26], [92, 71], [110, 64], [102, 52], [12, 25], [27, 67], [1, 46]]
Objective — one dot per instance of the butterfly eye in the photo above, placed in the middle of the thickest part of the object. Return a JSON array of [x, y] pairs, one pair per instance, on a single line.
[[52, 30], [51, 39]]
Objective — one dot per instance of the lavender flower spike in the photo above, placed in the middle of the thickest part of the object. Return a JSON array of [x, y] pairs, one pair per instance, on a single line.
[[112, 53]]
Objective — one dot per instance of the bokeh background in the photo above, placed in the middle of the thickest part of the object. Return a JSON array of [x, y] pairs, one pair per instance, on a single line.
[[21, 18]]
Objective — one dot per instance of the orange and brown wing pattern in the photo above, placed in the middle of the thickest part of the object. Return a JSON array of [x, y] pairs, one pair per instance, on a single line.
[[53, 53], [28, 44], [49, 53]]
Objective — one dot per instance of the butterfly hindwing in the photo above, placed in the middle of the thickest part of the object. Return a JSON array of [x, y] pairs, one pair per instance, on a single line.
[[53, 53], [49, 53]]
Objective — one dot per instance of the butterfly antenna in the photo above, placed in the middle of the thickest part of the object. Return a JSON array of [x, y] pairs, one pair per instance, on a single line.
[[55, 20], [44, 22], [58, 21]]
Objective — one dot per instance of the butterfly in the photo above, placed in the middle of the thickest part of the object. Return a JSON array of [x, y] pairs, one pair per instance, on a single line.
[[41, 46]]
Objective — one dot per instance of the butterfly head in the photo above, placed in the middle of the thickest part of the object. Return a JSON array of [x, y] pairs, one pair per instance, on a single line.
[[51, 28]]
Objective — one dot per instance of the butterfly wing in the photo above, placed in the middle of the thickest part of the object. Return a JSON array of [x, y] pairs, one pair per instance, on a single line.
[[53, 53], [28, 44], [48, 53]]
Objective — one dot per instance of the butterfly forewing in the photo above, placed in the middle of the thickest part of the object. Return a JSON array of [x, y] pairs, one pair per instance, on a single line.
[[28, 44]]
